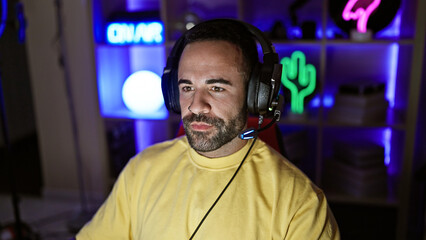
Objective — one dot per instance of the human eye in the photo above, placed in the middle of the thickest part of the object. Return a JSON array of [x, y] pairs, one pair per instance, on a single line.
[[187, 88], [217, 89]]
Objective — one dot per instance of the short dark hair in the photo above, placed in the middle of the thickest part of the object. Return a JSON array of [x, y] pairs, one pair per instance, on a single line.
[[230, 31]]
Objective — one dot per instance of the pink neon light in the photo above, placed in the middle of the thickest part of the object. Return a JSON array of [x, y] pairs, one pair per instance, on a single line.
[[360, 14]]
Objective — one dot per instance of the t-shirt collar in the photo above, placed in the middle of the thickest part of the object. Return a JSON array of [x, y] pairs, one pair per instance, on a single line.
[[220, 163]]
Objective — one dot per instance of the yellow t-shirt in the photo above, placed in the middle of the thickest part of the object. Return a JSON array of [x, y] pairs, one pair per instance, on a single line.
[[164, 192]]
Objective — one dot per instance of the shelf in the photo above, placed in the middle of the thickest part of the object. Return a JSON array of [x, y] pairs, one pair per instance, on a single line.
[[349, 42], [288, 121], [314, 42], [348, 199], [388, 199], [329, 42], [394, 60], [330, 124], [338, 42]]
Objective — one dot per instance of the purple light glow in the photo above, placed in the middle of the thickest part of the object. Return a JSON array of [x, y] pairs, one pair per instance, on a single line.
[[142, 5], [391, 87], [143, 135], [328, 101], [387, 137], [3, 16]]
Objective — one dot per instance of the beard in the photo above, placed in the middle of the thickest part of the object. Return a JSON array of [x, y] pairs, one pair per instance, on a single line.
[[223, 134]]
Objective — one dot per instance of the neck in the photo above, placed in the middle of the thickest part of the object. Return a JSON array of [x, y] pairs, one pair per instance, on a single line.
[[229, 148]]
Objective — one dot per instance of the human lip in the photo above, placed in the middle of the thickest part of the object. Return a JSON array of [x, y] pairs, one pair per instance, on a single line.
[[200, 126]]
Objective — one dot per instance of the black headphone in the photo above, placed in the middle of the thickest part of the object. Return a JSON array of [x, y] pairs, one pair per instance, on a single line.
[[265, 78]]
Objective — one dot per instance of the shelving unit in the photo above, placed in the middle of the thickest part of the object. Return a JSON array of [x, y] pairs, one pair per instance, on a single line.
[[327, 53], [338, 60]]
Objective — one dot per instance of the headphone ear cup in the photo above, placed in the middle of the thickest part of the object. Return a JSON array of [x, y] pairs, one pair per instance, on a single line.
[[252, 90], [169, 84], [174, 92], [165, 87], [260, 92], [264, 92], [170, 89]]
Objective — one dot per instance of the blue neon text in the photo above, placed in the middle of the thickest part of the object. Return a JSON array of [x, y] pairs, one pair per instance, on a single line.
[[135, 33]]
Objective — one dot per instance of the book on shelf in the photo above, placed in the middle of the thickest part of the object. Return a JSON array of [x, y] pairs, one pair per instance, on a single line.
[[359, 153], [361, 175], [355, 181], [360, 103], [344, 186], [362, 112], [350, 115], [357, 168], [362, 87]]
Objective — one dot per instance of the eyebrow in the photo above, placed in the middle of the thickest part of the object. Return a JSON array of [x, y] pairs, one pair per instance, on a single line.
[[209, 81], [184, 81], [220, 80]]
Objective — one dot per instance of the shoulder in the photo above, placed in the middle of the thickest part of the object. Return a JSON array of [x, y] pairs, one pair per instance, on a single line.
[[159, 154], [281, 172], [286, 182], [173, 146], [266, 155]]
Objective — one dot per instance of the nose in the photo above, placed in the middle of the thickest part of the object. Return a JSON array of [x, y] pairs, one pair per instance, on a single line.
[[199, 103]]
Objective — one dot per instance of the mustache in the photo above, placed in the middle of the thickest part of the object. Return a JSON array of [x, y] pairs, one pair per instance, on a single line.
[[203, 118]]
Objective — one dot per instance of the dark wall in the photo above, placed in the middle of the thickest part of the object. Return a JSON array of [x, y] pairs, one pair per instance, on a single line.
[[418, 187], [18, 135]]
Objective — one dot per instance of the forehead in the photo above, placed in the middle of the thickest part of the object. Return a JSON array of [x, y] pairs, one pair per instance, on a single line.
[[210, 57]]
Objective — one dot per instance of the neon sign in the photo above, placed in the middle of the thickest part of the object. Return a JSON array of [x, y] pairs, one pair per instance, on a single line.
[[360, 14], [121, 33], [299, 78]]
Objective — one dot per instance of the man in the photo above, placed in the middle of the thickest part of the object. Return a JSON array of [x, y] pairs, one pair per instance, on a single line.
[[211, 184]]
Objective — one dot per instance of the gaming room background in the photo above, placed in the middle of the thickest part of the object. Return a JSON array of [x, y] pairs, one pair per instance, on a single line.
[[81, 94]]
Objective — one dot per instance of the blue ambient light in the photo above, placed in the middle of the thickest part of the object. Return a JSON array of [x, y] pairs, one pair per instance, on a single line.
[[3, 17], [142, 93], [122, 33]]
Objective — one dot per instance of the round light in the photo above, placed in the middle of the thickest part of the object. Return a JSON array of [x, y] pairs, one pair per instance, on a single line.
[[142, 93]]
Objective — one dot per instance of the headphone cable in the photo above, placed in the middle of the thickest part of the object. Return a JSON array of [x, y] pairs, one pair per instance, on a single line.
[[223, 191]]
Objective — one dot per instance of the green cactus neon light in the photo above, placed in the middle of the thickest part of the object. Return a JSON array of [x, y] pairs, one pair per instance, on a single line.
[[299, 78]]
